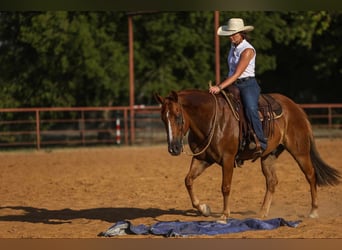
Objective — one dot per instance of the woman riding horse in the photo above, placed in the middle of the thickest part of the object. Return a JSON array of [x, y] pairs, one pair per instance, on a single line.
[[241, 62]]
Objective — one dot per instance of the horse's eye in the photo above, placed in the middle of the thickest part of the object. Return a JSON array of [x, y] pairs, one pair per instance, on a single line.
[[179, 119]]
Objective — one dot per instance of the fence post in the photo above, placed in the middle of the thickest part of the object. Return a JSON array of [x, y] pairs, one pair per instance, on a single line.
[[118, 131], [126, 127], [38, 129], [329, 117], [82, 127]]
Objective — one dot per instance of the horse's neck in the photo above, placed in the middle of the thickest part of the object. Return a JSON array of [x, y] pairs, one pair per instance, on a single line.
[[198, 110]]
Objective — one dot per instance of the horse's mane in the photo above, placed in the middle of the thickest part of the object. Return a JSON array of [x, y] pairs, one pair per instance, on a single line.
[[194, 96], [192, 91]]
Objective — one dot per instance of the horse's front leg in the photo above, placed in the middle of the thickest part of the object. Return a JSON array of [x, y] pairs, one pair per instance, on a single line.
[[196, 169], [227, 175]]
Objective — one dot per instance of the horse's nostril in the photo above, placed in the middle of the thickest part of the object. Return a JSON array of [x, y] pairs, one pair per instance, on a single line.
[[175, 148]]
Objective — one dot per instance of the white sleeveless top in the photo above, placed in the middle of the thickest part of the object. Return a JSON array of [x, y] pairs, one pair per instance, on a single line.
[[234, 57]]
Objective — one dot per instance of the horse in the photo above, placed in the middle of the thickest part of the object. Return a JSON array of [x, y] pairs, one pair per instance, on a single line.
[[213, 136]]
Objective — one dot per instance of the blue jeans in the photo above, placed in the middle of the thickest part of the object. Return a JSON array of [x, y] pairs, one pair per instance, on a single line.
[[249, 92]]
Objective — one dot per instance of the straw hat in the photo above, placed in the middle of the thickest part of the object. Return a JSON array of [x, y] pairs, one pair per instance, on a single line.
[[233, 26]]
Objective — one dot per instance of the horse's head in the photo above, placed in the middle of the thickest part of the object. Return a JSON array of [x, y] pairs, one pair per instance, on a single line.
[[173, 117]]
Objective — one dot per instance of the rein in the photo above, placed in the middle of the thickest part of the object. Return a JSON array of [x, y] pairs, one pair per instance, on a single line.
[[211, 135]]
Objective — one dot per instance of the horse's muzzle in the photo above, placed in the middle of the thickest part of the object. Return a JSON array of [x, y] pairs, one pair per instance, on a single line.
[[175, 148]]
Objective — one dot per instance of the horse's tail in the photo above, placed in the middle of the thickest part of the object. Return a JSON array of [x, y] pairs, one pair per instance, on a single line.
[[325, 174]]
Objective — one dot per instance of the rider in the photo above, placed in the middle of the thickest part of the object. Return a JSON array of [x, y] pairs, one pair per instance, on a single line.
[[241, 62]]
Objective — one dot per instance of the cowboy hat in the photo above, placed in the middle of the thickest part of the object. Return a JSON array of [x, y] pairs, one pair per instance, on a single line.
[[233, 26]]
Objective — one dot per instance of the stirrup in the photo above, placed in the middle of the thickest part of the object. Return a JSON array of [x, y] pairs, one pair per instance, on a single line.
[[238, 163], [257, 154]]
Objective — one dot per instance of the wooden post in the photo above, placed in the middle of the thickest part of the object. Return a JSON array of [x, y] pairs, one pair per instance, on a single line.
[[217, 47], [37, 130], [131, 77]]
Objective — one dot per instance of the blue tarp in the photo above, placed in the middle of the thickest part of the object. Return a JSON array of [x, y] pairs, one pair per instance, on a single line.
[[179, 228]]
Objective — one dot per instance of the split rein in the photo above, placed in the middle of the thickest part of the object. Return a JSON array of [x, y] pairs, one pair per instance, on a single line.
[[211, 133]]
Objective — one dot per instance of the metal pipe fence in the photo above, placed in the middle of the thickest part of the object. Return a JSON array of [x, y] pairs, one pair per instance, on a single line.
[[84, 126]]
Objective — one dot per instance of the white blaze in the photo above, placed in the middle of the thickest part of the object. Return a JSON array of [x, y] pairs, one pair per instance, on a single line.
[[169, 126]]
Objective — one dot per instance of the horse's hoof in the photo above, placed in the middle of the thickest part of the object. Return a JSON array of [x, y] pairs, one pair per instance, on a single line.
[[263, 216], [314, 215], [205, 210], [263, 213], [222, 221]]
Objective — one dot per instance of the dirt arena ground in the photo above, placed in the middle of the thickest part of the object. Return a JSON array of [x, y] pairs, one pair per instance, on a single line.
[[78, 193]]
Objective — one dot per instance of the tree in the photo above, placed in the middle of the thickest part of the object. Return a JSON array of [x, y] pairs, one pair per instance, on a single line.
[[173, 51], [63, 58], [327, 61]]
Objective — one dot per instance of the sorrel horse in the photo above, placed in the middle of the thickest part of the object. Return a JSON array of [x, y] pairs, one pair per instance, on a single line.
[[213, 137]]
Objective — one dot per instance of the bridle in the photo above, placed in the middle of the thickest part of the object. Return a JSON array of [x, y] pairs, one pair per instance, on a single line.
[[211, 133]]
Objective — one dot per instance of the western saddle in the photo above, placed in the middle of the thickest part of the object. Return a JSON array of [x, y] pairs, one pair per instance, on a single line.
[[269, 110]]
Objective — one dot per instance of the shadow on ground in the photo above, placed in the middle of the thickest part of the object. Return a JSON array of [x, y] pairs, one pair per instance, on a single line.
[[42, 215]]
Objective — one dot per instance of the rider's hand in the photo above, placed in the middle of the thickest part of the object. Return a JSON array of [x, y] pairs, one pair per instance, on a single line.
[[214, 89]]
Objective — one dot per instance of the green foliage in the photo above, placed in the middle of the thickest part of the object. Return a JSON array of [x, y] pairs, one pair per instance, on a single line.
[[172, 57], [61, 58], [65, 59]]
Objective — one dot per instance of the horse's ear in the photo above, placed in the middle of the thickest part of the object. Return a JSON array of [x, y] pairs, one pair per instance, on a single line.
[[159, 98], [174, 96]]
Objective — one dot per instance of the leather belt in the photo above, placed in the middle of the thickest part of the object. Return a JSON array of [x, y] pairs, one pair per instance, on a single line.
[[241, 80]]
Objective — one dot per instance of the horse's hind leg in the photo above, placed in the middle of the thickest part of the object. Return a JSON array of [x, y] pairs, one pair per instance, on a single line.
[[196, 169], [267, 166], [304, 161]]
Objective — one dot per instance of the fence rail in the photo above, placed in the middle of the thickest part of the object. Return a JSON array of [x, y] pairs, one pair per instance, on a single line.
[[82, 126]]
